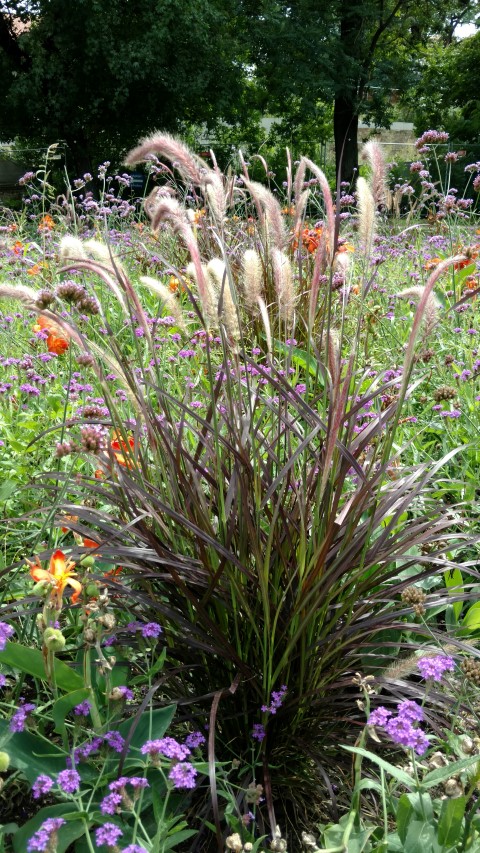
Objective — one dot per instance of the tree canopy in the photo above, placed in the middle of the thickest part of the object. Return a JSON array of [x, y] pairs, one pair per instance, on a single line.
[[101, 73]]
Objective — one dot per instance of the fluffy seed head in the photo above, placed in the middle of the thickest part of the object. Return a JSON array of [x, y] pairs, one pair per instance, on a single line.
[[252, 279], [366, 214], [283, 276]]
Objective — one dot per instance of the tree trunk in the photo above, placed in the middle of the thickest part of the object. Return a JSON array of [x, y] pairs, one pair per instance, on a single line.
[[345, 131]]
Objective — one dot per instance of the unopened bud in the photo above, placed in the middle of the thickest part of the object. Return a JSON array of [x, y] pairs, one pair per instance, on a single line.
[[92, 590], [87, 562], [4, 762], [54, 640], [41, 588]]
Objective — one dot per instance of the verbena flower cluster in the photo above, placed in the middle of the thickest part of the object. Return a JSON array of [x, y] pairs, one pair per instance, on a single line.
[[434, 668], [401, 728]]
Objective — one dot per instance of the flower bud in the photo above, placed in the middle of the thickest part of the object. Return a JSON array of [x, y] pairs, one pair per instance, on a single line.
[[54, 640], [89, 635], [4, 762], [92, 589], [41, 588]]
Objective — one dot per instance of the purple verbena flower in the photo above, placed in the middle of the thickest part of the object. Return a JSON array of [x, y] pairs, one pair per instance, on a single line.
[[379, 716], [167, 746], [183, 775], [69, 781], [134, 848], [83, 709], [114, 740], [410, 711], [435, 667], [6, 632], [111, 804], [108, 834], [42, 785], [42, 840], [258, 732], [3, 680], [19, 718], [194, 739], [151, 630]]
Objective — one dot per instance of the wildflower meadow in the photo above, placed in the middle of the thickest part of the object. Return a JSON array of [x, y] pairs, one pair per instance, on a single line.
[[239, 450]]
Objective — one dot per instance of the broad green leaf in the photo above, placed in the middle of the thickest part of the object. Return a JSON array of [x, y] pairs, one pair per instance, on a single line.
[[450, 821], [421, 838], [443, 773], [177, 838], [454, 578], [67, 834], [472, 617], [31, 661], [402, 777], [7, 489], [31, 754], [65, 704], [152, 725], [404, 815]]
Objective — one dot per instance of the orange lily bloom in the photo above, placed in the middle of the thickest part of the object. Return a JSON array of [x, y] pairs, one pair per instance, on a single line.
[[37, 268], [18, 248], [59, 574], [47, 223], [432, 263], [121, 449], [57, 345]]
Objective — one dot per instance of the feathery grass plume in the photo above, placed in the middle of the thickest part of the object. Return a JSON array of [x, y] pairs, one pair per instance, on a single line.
[[372, 151], [170, 210], [266, 201], [305, 163], [190, 166], [71, 249], [432, 308], [20, 293], [215, 195], [283, 277], [366, 215], [209, 301], [266, 324], [171, 303], [227, 311], [252, 279]]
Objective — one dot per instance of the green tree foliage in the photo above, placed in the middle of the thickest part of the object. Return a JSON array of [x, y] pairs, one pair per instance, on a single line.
[[101, 73], [352, 53], [447, 95]]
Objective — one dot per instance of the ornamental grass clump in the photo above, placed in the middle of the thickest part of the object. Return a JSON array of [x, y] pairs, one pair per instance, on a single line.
[[245, 484]]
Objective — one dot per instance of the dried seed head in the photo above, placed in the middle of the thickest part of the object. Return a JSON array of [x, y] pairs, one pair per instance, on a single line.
[[444, 392], [471, 669]]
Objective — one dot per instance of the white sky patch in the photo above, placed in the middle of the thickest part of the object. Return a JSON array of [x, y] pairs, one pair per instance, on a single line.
[[465, 30]]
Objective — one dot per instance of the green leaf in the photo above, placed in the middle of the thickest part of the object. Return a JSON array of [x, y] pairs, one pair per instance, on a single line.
[[405, 812], [454, 578], [31, 754], [398, 774], [472, 617], [177, 838], [67, 834], [450, 821], [437, 776], [152, 725], [65, 704], [7, 489], [421, 838], [31, 662]]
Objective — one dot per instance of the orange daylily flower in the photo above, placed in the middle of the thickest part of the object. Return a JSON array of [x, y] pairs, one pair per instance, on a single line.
[[37, 268], [198, 215], [471, 282], [346, 247], [89, 543], [433, 262], [99, 474], [57, 345], [120, 448], [17, 248], [59, 574], [173, 284], [47, 223]]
